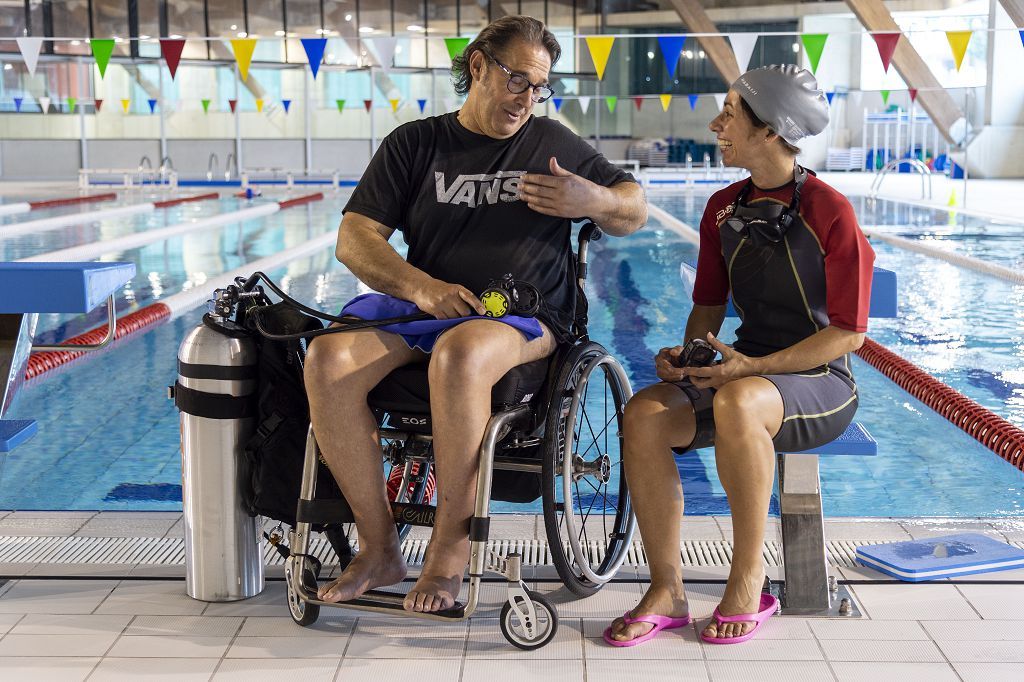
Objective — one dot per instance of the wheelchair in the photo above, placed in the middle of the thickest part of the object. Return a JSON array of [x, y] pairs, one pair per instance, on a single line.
[[556, 424]]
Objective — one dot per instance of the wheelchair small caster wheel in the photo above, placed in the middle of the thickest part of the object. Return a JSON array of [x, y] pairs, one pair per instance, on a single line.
[[301, 612], [523, 632]]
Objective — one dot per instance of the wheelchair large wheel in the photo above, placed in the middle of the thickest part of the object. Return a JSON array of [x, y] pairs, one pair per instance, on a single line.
[[587, 514]]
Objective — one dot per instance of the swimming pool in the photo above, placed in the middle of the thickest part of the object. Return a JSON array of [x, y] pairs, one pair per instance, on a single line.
[[118, 449]]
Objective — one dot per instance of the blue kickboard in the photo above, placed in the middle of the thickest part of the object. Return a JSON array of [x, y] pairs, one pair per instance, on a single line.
[[14, 432], [855, 440], [59, 287], [941, 557]]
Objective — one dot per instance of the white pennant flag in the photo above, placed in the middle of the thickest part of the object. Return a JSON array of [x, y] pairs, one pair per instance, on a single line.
[[720, 101], [30, 52], [584, 104], [44, 102], [743, 48], [385, 49]]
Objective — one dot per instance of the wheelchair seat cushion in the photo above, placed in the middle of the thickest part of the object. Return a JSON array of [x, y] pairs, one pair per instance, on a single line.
[[406, 389]]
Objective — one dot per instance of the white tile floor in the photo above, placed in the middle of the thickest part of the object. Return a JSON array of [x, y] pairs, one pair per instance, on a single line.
[[132, 625]]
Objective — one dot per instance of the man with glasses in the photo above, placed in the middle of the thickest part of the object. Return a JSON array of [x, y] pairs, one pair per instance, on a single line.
[[484, 191]]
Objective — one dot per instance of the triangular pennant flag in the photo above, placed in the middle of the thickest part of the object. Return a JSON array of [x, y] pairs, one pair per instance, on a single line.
[[394, 104], [611, 101], [385, 49], [206, 105], [814, 43], [17, 103], [171, 49], [958, 41], [885, 97], [913, 94], [125, 104], [693, 101], [952, 198], [558, 103], [720, 100], [886, 43], [584, 104], [665, 101], [98, 103], [829, 96], [243, 48], [314, 48], [639, 102], [287, 104], [341, 105], [101, 51], [743, 47], [422, 104], [1022, 36], [152, 105], [671, 47], [72, 102], [600, 48], [30, 52], [455, 46], [259, 106], [368, 103], [232, 103], [44, 104]]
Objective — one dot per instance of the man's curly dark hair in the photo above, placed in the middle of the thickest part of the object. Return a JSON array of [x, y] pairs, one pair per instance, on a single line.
[[496, 37]]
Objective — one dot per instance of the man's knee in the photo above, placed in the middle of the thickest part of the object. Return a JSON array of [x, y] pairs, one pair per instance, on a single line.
[[467, 359], [331, 368]]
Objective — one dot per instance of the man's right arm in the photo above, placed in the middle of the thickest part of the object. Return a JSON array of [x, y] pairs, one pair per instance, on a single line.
[[364, 249]]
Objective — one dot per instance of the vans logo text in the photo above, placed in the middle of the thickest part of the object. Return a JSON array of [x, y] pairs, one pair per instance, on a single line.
[[476, 190]]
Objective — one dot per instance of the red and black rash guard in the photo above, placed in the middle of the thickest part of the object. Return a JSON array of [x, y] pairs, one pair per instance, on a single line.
[[818, 275]]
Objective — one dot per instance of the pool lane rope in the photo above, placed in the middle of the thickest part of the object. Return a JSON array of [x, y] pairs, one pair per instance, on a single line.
[[179, 304], [988, 428], [682, 229], [26, 206], [969, 262]]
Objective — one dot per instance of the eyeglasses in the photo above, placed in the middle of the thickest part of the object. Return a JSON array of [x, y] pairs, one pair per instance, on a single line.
[[518, 84]]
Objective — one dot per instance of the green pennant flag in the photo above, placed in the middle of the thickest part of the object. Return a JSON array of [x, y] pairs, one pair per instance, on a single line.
[[885, 98], [611, 101], [71, 104], [206, 105], [455, 46], [101, 51], [341, 105], [814, 43]]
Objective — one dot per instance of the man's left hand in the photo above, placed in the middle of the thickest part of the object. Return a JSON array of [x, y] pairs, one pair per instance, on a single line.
[[562, 194], [734, 365]]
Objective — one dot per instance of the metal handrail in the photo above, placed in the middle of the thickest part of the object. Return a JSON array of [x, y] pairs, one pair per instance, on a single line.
[[227, 165], [915, 164], [166, 163], [212, 164], [85, 347], [149, 164]]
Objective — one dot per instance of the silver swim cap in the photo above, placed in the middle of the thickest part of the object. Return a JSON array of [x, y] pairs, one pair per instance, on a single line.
[[787, 98]]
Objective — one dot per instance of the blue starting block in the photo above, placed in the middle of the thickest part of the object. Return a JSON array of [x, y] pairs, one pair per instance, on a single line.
[[27, 289], [807, 589]]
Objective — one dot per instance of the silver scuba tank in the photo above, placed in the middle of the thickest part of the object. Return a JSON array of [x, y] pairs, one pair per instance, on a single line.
[[216, 394]]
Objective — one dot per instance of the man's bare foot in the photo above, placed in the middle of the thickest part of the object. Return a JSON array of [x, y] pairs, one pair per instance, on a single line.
[[439, 583], [659, 601], [742, 595], [367, 571]]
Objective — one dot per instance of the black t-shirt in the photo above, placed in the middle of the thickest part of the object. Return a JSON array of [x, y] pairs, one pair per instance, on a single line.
[[452, 193]]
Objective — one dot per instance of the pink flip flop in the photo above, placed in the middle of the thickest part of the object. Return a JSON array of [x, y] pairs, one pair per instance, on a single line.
[[659, 622], [769, 604]]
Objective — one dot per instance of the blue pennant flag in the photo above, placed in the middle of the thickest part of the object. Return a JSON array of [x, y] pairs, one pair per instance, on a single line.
[[152, 105], [671, 47], [693, 101], [558, 103], [287, 104], [17, 103], [423, 105], [830, 95], [314, 48], [1022, 35]]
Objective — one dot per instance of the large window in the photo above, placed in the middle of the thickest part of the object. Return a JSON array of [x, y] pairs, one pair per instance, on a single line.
[[70, 19], [185, 19]]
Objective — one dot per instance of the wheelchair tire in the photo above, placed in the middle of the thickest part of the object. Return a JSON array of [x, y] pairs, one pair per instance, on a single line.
[[547, 622], [588, 518], [303, 613]]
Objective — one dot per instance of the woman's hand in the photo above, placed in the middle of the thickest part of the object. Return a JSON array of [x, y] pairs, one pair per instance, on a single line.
[[734, 365]]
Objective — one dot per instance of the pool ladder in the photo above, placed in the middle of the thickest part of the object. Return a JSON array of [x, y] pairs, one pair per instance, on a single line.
[[916, 165]]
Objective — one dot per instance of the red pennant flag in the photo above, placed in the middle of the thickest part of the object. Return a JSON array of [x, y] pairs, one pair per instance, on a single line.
[[232, 103], [638, 101], [886, 43], [99, 105], [368, 103], [913, 94], [171, 49]]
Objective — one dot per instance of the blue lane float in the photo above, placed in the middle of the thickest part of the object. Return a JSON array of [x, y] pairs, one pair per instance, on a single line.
[[948, 556]]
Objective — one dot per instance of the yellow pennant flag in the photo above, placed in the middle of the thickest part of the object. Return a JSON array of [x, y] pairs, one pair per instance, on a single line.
[[125, 103], [600, 48], [243, 47], [394, 104], [958, 41], [665, 101], [259, 105]]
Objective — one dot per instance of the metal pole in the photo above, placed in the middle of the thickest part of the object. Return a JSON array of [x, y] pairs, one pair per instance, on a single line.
[[967, 128], [373, 128], [238, 125], [597, 121], [81, 117], [163, 128], [308, 114]]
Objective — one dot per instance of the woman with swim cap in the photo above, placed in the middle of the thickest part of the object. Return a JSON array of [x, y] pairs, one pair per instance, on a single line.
[[787, 250]]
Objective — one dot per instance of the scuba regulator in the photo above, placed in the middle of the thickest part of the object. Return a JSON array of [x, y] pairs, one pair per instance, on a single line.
[[505, 296]]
